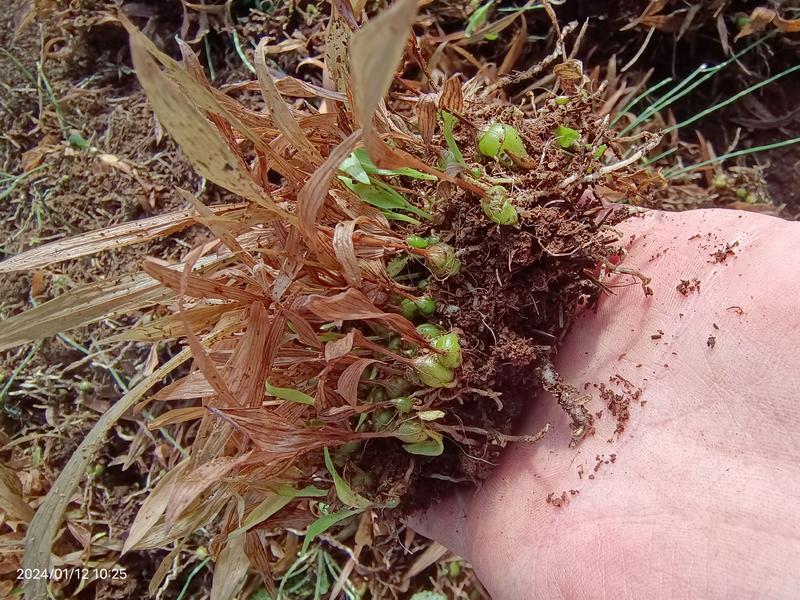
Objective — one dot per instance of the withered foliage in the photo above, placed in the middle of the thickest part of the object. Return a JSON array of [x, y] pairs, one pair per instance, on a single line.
[[313, 395]]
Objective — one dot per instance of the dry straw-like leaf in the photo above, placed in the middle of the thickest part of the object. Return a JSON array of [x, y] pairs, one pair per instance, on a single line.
[[117, 236], [278, 109], [81, 306], [47, 520], [11, 500], [375, 52]]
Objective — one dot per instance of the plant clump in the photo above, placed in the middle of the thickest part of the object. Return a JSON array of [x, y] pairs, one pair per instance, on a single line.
[[376, 312]]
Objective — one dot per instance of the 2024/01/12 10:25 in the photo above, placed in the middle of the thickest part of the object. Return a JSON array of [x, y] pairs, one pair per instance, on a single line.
[[66, 573]]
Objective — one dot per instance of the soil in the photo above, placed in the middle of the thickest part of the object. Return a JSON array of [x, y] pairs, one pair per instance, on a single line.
[[514, 302]]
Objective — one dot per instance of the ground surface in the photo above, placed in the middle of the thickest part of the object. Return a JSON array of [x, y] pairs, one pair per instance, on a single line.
[[82, 150]]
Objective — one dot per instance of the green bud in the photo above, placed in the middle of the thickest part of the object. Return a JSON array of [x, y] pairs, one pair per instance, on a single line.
[[449, 344], [562, 100], [742, 20], [411, 432], [442, 260], [498, 207], [381, 418], [499, 138], [432, 239], [454, 569], [201, 552], [392, 502], [751, 199], [408, 308], [741, 193], [85, 386], [426, 305], [720, 181], [431, 372], [566, 136], [490, 142], [403, 404], [513, 142], [416, 241], [429, 330]]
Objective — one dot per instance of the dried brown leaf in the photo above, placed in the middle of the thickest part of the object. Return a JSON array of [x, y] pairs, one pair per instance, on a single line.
[[347, 386], [11, 500], [338, 348], [177, 415], [787, 25], [205, 149], [311, 198], [337, 39], [47, 520], [117, 236], [230, 567], [278, 109], [197, 286], [426, 116], [81, 306], [345, 251], [153, 507], [188, 487], [515, 49], [171, 326], [375, 52], [352, 305]]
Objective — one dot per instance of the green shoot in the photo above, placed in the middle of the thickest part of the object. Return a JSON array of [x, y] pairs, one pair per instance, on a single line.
[[385, 197], [729, 155], [477, 19], [689, 84], [732, 99], [240, 51], [434, 446], [344, 492], [448, 122], [639, 98], [325, 522], [289, 394], [371, 168], [566, 136], [198, 567]]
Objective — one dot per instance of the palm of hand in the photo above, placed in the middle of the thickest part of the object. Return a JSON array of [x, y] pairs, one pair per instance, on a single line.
[[703, 496]]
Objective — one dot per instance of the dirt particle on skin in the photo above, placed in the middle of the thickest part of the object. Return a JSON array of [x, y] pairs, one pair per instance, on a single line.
[[711, 341], [658, 335], [687, 286], [737, 309], [720, 255], [559, 500]]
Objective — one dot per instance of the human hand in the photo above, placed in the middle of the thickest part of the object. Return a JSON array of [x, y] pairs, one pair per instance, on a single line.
[[702, 498]]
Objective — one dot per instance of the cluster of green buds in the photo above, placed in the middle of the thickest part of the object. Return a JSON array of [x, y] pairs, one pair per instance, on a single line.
[[437, 369], [499, 141], [424, 306], [498, 207], [440, 257], [442, 260]]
